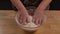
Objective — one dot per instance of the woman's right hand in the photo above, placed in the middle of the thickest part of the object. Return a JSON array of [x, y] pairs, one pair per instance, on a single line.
[[23, 17]]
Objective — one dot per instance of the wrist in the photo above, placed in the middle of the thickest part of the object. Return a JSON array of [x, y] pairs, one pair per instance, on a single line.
[[40, 11], [22, 12]]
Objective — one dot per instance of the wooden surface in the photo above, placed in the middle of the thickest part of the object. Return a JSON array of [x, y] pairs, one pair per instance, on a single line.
[[9, 26]]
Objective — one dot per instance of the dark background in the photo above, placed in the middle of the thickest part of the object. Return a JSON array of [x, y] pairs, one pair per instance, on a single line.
[[6, 5]]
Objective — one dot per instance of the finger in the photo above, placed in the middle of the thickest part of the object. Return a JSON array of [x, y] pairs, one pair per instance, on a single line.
[[36, 21], [40, 21], [33, 19], [20, 20], [24, 21], [27, 20]]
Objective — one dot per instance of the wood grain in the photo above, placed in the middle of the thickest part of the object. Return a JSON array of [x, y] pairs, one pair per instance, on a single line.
[[8, 24]]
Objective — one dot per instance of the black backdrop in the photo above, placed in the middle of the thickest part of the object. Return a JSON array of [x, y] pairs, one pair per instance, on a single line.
[[55, 5], [6, 4]]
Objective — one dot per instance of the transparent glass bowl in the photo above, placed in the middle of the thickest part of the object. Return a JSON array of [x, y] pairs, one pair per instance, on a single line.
[[29, 26]]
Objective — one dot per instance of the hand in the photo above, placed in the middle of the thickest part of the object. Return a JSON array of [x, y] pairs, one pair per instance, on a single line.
[[23, 17], [37, 17]]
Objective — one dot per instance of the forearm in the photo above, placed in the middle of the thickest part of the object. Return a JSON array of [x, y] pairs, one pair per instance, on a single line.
[[43, 5], [18, 5]]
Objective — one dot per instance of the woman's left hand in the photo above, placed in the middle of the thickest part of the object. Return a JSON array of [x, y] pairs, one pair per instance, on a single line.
[[37, 17]]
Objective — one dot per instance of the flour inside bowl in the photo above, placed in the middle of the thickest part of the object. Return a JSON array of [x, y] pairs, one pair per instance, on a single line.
[[29, 26]]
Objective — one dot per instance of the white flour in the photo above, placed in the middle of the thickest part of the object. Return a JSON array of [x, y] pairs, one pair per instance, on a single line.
[[29, 26]]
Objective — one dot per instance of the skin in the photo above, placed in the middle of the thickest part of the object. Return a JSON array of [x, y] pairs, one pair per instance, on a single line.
[[23, 12], [39, 12]]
